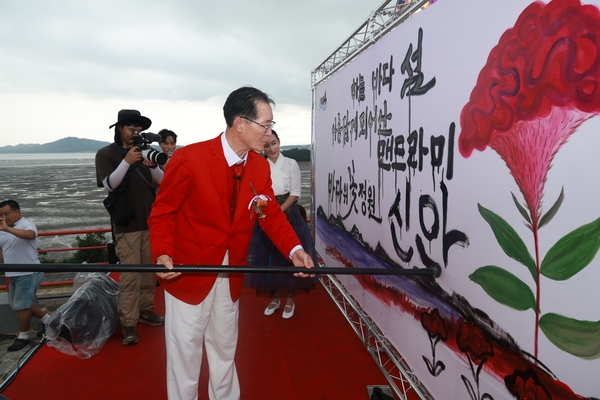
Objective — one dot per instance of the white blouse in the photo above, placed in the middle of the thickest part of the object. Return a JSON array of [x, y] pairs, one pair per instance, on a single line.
[[285, 174]]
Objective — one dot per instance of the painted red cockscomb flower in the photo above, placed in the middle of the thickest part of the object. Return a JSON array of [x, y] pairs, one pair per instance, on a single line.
[[540, 83]]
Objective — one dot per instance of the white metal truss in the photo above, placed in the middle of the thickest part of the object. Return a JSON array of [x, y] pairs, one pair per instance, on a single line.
[[401, 377], [385, 17]]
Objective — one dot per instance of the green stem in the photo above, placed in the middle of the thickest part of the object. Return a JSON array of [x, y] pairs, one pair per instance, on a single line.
[[537, 289]]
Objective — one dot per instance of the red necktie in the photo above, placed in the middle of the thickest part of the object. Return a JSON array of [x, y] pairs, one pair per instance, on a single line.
[[236, 174]]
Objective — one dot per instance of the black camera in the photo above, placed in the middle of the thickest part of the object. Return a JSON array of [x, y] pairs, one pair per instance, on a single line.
[[143, 145]]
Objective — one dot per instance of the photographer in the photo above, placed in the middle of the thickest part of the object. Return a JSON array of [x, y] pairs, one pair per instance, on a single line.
[[126, 166]]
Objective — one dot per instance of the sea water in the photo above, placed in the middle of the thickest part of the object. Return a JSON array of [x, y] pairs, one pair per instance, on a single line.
[[58, 191]]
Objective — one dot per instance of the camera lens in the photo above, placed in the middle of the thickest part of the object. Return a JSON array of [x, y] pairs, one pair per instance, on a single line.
[[156, 157]]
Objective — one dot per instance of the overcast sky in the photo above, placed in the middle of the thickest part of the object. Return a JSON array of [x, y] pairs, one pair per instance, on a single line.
[[67, 67]]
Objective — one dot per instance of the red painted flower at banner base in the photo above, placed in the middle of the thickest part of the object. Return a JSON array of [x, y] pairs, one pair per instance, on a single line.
[[526, 386], [436, 330], [434, 324], [472, 341]]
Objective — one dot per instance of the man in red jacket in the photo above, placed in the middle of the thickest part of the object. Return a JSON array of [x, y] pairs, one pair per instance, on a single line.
[[208, 201]]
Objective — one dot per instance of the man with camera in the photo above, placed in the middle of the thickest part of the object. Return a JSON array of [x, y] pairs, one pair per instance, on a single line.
[[128, 167]]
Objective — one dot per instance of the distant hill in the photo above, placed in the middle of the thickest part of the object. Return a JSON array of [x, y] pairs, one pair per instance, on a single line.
[[65, 145], [298, 154], [295, 146], [78, 145]]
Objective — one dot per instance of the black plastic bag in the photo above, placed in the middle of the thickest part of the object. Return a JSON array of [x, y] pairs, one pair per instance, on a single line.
[[87, 320], [378, 394]]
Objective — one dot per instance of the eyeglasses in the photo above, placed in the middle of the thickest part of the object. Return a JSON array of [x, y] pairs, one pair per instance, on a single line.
[[266, 127]]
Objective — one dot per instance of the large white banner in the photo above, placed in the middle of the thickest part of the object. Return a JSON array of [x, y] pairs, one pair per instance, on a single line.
[[468, 137]]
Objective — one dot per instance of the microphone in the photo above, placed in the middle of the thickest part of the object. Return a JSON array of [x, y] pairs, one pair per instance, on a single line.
[[169, 153]]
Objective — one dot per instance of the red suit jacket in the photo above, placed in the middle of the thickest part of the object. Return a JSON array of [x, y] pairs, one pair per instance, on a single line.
[[190, 218]]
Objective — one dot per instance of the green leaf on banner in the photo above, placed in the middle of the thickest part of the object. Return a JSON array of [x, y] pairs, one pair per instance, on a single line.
[[504, 287], [553, 210], [521, 209], [508, 239], [572, 253], [579, 338]]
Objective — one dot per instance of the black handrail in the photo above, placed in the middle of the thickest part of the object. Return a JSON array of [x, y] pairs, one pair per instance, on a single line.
[[434, 271]]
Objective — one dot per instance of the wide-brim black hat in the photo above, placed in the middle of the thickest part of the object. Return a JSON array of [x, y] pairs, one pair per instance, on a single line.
[[132, 117]]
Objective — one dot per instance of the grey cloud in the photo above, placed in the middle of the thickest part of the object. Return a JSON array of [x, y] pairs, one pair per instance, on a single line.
[[179, 50]]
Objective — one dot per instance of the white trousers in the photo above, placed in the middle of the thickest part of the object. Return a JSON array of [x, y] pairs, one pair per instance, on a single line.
[[214, 321]]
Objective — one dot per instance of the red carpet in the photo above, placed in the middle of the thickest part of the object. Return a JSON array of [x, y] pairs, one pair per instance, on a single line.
[[313, 355]]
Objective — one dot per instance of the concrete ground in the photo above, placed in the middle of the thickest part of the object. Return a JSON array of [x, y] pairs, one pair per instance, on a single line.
[[49, 299]]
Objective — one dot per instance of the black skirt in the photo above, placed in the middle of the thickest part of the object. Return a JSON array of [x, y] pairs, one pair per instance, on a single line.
[[263, 252]]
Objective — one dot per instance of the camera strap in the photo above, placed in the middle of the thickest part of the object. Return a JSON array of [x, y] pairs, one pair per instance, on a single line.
[[154, 188]]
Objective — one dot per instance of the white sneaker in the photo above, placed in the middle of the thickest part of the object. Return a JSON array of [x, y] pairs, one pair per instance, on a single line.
[[288, 314], [273, 305]]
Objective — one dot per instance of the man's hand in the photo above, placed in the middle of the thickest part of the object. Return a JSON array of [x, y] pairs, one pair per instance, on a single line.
[[26, 234], [133, 156], [300, 258], [149, 163], [168, 263]]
